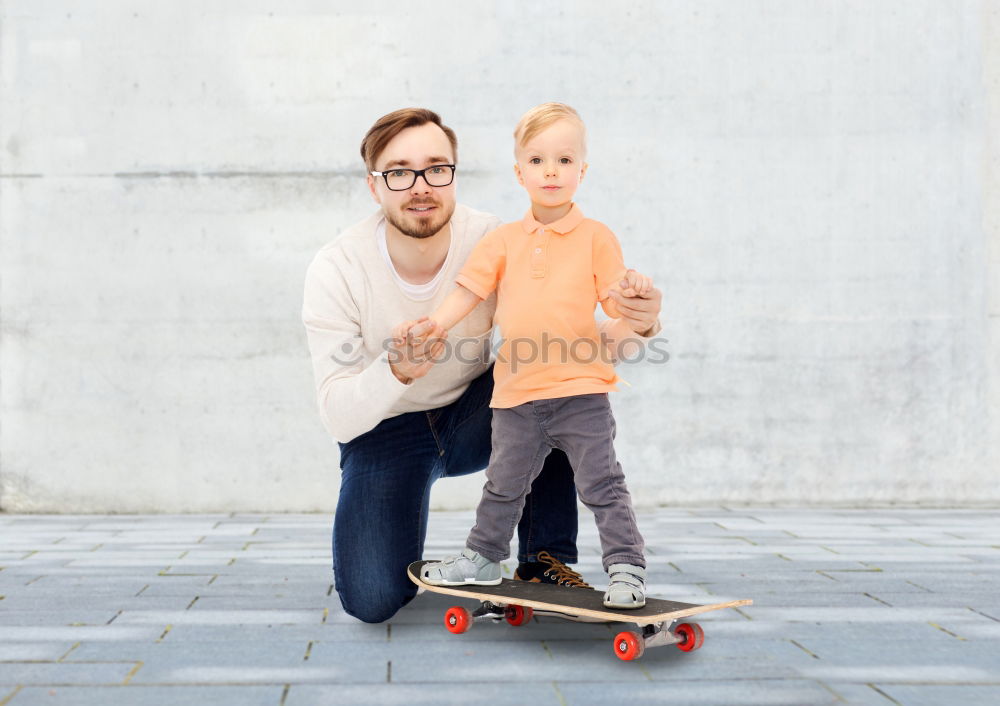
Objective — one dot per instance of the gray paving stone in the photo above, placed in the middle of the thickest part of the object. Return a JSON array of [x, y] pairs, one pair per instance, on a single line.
[[34, 562], [141, 536], [56, 534], [820, 581], [53, 633], [272, 578], [48, 585], [950, 583], [166, 586], [356, 665], [941, 654], [811, 599], [117, 561], [265, 534], [869, 614], [969, 571], [55, 673], [979, 631], [172, 652], [247, 569], [271, 552], [298, 589], [484, 661], [505, 693], [135, 695], [84, 616], [114, 603], [109, 573], [847, 639], [765, 692], [935, 601], [33, 651], [930, 695], [859, 694], [220, 617], [339, 632], [317, 602], [761, 567], [930, 672], [324, 577]]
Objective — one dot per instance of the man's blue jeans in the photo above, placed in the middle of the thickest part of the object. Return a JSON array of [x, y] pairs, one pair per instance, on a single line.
[[387, 473]]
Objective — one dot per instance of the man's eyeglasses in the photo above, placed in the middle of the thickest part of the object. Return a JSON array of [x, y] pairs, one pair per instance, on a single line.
[[403, 179]]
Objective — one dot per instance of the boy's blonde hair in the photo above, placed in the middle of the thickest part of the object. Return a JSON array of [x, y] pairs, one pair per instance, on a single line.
[[540, 117]]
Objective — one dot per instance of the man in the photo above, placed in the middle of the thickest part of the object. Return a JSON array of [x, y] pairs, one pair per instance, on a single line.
[[403, 414]]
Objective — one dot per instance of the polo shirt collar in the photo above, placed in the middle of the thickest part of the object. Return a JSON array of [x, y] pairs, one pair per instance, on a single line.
[[563, 226]]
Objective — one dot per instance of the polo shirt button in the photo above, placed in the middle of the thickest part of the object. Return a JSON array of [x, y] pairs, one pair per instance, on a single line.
[[538, 250]]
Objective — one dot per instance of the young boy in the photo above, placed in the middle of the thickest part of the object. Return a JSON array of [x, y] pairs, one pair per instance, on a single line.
[[550, 270]]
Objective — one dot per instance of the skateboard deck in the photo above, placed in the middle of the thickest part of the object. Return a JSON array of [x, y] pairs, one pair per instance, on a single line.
[[516, 601]]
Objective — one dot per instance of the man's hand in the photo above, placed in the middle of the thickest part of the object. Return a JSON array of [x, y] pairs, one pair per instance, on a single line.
[[638, 301], [414, 348]]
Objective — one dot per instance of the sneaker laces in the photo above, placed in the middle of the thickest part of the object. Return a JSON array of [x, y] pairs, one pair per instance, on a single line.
[[562, 573]]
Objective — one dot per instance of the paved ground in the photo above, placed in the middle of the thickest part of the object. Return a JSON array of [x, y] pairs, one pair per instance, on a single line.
[[867, 607]]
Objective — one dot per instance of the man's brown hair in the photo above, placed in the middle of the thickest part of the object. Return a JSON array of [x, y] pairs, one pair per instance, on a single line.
[[388, 126]]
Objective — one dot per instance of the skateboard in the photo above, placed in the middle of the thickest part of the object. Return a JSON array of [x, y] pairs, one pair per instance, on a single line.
[[517, 601]]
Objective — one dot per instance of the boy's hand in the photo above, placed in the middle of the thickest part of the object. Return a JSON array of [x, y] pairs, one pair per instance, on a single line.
[[635, 284], [639, 311], [424, 334], [414, 349]]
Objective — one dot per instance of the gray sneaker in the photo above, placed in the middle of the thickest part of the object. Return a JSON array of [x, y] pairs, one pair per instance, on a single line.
[[627, 588], [468, 568]]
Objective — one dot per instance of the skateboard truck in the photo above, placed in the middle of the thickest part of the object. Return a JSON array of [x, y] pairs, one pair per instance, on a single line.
[[495, 612], [631, 645], [490, 611], [687, 636]]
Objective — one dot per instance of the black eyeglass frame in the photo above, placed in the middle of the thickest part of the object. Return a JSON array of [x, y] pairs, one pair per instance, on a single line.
[[416, 173]]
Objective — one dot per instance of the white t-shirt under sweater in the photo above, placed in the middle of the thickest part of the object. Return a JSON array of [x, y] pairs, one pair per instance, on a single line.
[[420, 292], [353, 299]]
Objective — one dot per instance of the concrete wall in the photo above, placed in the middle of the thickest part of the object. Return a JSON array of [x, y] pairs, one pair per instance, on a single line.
[[813, 184]]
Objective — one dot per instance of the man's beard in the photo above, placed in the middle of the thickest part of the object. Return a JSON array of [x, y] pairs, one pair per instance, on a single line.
[[422, 228]]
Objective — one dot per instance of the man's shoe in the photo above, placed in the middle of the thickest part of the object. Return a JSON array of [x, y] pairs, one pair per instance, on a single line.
[[548, 569]]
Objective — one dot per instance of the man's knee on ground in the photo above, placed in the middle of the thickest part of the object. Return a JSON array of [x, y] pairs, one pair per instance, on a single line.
[[374, 608]]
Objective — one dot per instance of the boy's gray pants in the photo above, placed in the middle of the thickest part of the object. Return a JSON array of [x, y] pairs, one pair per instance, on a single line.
[[584, 428]]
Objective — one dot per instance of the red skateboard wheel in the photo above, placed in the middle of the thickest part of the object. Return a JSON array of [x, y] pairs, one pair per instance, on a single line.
[[457, 620], [701, 635], [692, 636], [518, 615], [629, 646]]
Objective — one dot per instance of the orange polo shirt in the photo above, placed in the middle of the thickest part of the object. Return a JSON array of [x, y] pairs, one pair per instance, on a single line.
[[549, 279]]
